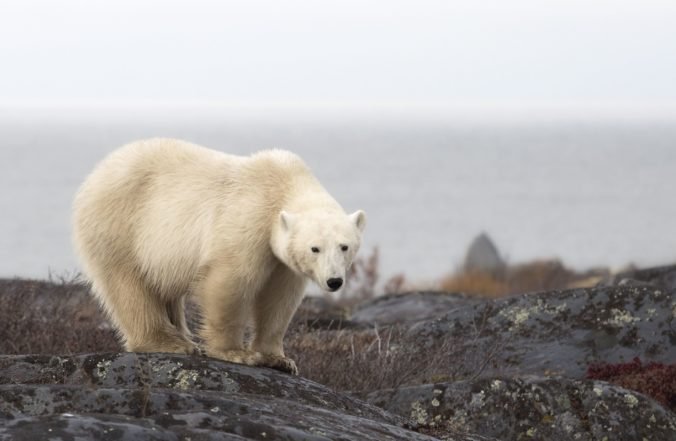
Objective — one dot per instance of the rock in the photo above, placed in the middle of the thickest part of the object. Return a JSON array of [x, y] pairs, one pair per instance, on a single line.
[[558, 332], [663, 277], [483, 256], [410, 307], [316, 313], [126, 396], [532, 408], [320, 307]]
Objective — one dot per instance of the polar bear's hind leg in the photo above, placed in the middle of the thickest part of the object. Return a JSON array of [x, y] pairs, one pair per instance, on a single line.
[[141, 317]]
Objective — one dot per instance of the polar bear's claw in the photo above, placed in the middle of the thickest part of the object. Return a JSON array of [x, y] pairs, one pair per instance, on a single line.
[[281, 364]]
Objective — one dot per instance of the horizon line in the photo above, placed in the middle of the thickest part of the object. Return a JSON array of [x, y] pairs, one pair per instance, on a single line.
[[460, 109]]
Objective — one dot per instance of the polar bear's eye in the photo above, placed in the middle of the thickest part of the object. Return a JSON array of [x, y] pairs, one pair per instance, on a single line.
[[315, 249], [344, 247]]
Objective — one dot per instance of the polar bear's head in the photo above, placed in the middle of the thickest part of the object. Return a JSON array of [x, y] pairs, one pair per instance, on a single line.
[[319, 245]]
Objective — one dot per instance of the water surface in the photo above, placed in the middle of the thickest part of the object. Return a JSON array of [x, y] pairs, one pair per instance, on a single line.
[[591, 194]]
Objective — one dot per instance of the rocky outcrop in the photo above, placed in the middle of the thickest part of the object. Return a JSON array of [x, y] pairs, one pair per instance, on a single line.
[[663, 278], [532, 408], [560, 332], [315, 313], [410, 307], [159, 396], [483, 256]]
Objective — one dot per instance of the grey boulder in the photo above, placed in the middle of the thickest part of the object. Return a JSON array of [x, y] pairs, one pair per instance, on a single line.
[[559, 332], [532, 408], [160, 396], [410, 307]]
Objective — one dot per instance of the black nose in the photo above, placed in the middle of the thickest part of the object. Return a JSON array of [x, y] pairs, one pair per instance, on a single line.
[[334, 284]]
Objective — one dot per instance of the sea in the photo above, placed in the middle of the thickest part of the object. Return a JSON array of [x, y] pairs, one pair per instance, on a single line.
[[590, 192]]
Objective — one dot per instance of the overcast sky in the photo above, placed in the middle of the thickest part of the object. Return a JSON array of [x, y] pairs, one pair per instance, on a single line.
[[311, 51]]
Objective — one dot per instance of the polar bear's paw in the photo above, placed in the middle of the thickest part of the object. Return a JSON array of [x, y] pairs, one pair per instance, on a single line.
[[281, 363], [239, 356], [253, 358], [167, 345]]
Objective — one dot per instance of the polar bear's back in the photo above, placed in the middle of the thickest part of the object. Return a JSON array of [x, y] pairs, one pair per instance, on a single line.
[[151, 206]]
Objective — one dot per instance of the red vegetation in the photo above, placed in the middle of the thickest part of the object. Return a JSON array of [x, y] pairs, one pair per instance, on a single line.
[[657, 380]]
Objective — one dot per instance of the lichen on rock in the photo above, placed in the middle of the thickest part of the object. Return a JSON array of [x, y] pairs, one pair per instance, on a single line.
[[535, 408], [162, 396]]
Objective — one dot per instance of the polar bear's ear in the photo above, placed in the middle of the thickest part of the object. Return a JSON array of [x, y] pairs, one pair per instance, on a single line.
[[359, 219], [286, 220]]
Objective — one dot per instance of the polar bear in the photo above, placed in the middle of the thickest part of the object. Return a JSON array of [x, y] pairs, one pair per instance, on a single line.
[[161, 219]]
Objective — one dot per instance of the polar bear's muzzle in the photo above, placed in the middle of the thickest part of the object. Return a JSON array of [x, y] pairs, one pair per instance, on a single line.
[[334, 283]]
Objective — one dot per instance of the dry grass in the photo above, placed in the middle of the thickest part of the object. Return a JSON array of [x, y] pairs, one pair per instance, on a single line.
[[540, 275], [361, 361], [366, 360], [51, 317], [356, 361], [475, 283]]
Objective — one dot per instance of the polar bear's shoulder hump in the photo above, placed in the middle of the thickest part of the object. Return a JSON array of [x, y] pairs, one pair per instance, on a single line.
[[280, 156]]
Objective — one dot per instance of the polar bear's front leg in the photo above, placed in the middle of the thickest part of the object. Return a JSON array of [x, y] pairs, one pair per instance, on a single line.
[[274, 306], [226, 312]]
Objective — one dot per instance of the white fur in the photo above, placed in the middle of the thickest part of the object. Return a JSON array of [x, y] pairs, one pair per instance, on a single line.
[[160, 219]]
